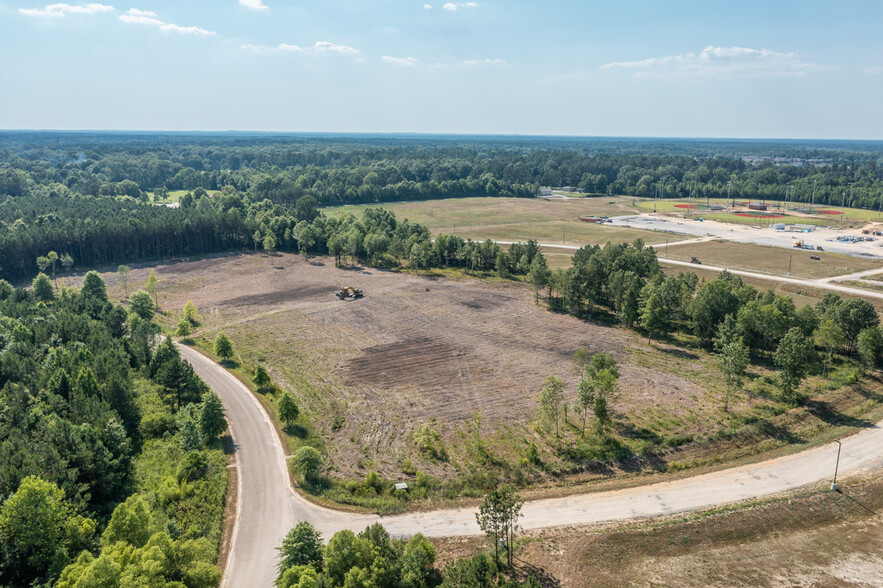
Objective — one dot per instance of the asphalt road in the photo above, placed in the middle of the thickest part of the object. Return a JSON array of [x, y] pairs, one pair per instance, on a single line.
[[268, 507]]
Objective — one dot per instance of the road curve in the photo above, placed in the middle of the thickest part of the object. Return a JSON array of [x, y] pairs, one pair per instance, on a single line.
[[268, 507]]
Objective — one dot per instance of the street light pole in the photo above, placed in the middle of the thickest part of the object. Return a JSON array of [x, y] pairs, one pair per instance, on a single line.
[[836, 466]]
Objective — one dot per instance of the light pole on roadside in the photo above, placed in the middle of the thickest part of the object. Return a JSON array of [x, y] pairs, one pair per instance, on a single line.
[[836, 465]]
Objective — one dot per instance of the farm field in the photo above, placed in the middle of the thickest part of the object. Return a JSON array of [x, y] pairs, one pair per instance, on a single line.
[[772, 260], [519, 219], [464, 359]]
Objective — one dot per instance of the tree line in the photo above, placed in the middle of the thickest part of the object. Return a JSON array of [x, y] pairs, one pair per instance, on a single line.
[[108, 445], [723, 314]]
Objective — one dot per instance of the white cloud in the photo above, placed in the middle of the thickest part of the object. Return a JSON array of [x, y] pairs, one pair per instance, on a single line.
[[873, 70], [453, 6], [254, 4], [62, 10], [323, 46], [471, 62], [720, 61], [427, 6], [318, 47], [438, 65], [406, 61], [147, 17]]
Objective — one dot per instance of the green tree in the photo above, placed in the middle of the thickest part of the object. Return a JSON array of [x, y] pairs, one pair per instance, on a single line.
[[67, 262], [654, 315], [142, 304], [830, 337], [498, 517], [190, 314], [223, 347], [39, 531], [123, 273], [269, 243], [302, 546], [794, 357], [94, 287], [714, 301], [585, 399], [538, 275], [501, 265], [299, 577], [551, 398], [853, 316], [732, 357], [344, 552], [42, 286], [261, 378], [152, 286], [212, 417], [870, 345], [605, 384], [188, 428], [417, 563], [130, 523], [183, 328], [288, 410], [258, 239], [307, 462]]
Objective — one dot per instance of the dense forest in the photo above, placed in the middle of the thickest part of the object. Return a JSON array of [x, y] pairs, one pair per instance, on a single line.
[[86, 195], [109, 455]]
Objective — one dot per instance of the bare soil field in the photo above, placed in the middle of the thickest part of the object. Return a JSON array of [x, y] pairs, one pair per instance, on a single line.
[[414, 350]]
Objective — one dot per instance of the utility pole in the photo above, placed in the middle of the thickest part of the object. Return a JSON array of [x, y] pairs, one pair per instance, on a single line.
[[836, 465], [729, 185], [813, 201], [790, 258]]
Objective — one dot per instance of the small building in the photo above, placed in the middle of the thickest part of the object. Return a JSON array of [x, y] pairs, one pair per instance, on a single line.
[[779, 226], [545, 191], [401, 486]]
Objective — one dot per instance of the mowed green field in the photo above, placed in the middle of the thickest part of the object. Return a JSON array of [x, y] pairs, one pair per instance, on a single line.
[[518, 219], [850, 215]]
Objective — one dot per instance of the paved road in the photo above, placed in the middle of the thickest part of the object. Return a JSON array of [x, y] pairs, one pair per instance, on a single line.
[[268, 507]]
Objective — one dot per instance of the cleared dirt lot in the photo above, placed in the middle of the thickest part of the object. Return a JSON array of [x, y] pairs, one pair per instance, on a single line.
[[414, 350]]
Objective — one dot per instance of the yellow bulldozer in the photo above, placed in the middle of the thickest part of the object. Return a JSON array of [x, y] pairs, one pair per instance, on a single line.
[[349, 292]]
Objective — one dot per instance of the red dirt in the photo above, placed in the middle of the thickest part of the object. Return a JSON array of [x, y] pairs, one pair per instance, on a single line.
[[686, 206], [832, 212]]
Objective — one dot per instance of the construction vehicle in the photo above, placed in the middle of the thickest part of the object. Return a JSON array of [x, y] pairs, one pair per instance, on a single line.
[[798, 245], [349, 292], [695, 259]]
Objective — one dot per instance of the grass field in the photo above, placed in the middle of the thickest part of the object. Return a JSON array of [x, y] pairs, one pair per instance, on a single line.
[[771, 260], [519, 219]]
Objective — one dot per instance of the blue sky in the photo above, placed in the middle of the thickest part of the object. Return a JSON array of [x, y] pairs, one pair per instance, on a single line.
[[627, 68]]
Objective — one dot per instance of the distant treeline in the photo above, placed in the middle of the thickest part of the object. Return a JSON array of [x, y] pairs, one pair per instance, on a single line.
[[86, 194]]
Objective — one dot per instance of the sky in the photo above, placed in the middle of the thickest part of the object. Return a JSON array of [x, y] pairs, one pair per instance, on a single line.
[[644, 68]]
